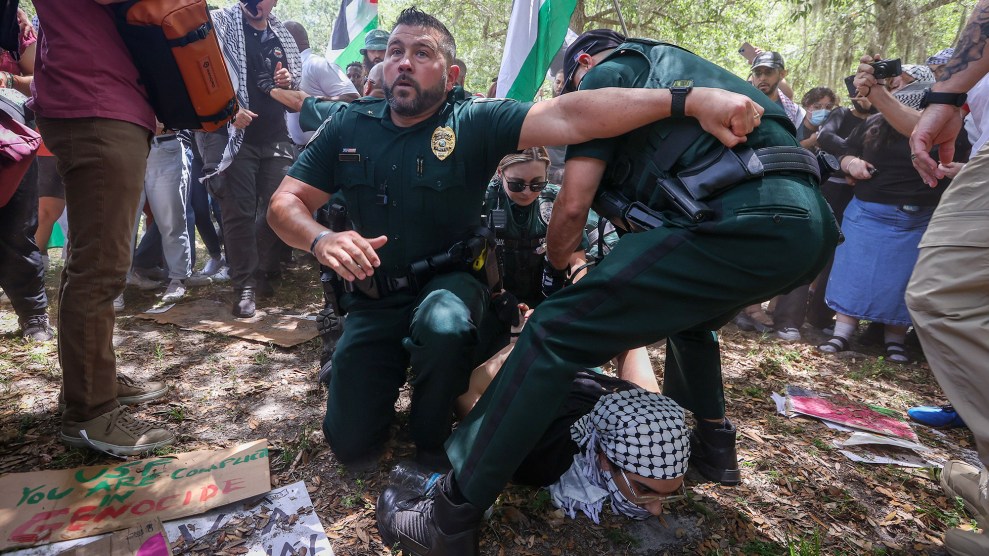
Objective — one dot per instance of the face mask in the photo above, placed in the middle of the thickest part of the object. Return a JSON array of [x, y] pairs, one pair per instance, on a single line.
[[817, 117], [619, 503]]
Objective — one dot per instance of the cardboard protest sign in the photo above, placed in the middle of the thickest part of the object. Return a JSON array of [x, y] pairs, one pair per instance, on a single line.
[[51, 506], [282, 522], [144, 540]]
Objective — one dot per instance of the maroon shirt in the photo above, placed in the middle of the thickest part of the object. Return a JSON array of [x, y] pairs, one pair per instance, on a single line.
[[83, 69]]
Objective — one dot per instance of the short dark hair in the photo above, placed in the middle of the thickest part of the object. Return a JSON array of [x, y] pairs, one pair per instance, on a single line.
[[816, 94], [355, 63], [414, 17]]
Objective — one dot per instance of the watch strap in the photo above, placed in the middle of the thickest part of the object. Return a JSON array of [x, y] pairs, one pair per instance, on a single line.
[[932, 97]]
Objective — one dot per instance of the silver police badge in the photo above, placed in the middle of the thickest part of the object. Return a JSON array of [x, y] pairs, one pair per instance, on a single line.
[[443, 142]]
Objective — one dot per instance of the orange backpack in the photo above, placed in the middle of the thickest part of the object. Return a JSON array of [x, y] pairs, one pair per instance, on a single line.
[[178, 56]]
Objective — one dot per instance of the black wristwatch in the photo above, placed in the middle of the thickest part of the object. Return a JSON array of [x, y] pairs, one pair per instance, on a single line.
[[679, 90], [953, 99]]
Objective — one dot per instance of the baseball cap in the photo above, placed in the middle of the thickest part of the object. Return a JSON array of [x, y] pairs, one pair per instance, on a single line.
[[375, 40], [591, 42], [769, 59]]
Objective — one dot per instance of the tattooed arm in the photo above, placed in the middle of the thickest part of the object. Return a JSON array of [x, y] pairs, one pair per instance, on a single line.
[[940, 123]]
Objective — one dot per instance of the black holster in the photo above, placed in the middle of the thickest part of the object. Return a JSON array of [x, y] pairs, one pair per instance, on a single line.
[[334, 217]]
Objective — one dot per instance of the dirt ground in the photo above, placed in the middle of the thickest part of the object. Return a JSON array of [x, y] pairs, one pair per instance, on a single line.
[[799, 494]]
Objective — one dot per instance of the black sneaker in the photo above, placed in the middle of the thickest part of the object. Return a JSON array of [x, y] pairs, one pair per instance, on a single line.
[[430, 524], [36, 328], [244, 307], [712, 452]]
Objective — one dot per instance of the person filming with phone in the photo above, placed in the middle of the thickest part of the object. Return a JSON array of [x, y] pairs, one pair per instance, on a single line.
[[888, 214]]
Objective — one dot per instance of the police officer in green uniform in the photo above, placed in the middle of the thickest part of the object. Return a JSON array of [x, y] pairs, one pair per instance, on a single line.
[[757, 226], [518, 205]]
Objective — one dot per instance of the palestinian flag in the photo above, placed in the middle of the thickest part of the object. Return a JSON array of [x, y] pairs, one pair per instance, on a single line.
[[535, 33], [356, 18]]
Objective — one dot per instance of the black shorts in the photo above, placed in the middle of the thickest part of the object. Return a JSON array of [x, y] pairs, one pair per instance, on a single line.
[[49, 182]]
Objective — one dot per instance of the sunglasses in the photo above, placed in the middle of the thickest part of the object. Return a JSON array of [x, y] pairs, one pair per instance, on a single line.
[[642, 499], [520, 186]]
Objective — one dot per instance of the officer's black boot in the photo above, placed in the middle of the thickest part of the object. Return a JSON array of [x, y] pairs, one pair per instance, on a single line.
[[712, 452], [429, 525]]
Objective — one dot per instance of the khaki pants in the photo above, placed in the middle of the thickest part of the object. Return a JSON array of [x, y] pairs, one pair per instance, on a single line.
[[948, 296], [102, 163]]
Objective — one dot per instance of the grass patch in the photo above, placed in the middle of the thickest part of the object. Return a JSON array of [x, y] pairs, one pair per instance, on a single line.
[[878, 368], [619, 537]]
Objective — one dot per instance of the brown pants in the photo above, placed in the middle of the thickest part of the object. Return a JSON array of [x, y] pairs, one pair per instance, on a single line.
[[948, 296], [102, 164]]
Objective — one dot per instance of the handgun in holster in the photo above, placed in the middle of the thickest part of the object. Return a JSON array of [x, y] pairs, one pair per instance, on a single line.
[[333, 216], [627, 215]]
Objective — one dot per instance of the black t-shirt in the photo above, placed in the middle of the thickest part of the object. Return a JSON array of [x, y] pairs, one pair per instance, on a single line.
[[264, 51], [554, 452]]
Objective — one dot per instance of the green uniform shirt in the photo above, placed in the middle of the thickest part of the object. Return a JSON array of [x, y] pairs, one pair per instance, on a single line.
[[407, 183], [652, 65]]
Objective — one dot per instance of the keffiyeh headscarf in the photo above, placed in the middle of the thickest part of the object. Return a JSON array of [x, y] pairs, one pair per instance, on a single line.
[[919, 73], [941, 57], [913, 93], [641, 432]]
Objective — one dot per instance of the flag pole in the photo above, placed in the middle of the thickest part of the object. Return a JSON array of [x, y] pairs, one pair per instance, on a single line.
[[621, 19]]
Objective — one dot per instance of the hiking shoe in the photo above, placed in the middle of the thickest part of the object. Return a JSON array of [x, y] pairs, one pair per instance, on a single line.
[[754, 320], [788, 334], [966, 543], [430, 524], [961, 480], [140, 282], [130, 392], [212, 266], [36, 328], [116, 432], [118, 303], [174, 292], [712, 452], [942, 416], [197, 280], [244, 307]]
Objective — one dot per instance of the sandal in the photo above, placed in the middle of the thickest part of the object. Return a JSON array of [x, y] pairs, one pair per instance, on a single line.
[[896, 352], [834, 345]]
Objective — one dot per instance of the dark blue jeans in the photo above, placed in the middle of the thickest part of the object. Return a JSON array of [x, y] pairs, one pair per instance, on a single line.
[[22, 275]]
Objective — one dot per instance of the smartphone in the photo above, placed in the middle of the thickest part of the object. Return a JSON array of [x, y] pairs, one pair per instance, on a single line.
[[747, 51], [849, 84]]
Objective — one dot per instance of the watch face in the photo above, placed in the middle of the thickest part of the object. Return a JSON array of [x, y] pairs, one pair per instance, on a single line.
[[682, 84]]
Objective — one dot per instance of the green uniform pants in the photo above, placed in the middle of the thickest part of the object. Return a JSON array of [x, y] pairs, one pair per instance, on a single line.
[[435, 332], [768, 236]]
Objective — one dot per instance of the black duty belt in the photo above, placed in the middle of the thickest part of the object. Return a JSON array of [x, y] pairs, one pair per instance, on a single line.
[[521, 244], [725, 168], [379, 285]]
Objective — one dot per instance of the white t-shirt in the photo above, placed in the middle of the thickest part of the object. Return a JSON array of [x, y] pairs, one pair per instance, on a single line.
[[320, 77], [978, 103]]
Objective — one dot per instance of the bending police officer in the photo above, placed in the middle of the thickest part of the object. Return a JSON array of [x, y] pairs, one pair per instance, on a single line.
[[760, 234]]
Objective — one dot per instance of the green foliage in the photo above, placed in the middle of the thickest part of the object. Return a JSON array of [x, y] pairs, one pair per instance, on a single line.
[[821, 40]]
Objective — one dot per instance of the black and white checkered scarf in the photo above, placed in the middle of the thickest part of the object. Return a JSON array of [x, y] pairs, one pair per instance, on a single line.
[[229, 25]]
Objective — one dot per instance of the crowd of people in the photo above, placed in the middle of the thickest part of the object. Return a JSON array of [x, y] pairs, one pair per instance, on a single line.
[[463, 250]]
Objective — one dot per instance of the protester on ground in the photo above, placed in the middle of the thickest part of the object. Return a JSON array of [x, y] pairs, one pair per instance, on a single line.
[[946, 293]]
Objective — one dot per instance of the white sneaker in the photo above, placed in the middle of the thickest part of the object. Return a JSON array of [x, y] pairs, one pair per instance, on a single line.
[[197, 280], [118, 303], [788, 334], [174, 292], [214, 265], [141, 283], [222, 275]]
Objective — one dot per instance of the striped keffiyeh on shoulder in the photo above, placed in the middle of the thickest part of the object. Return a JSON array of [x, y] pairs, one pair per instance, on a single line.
[[229, 25]]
